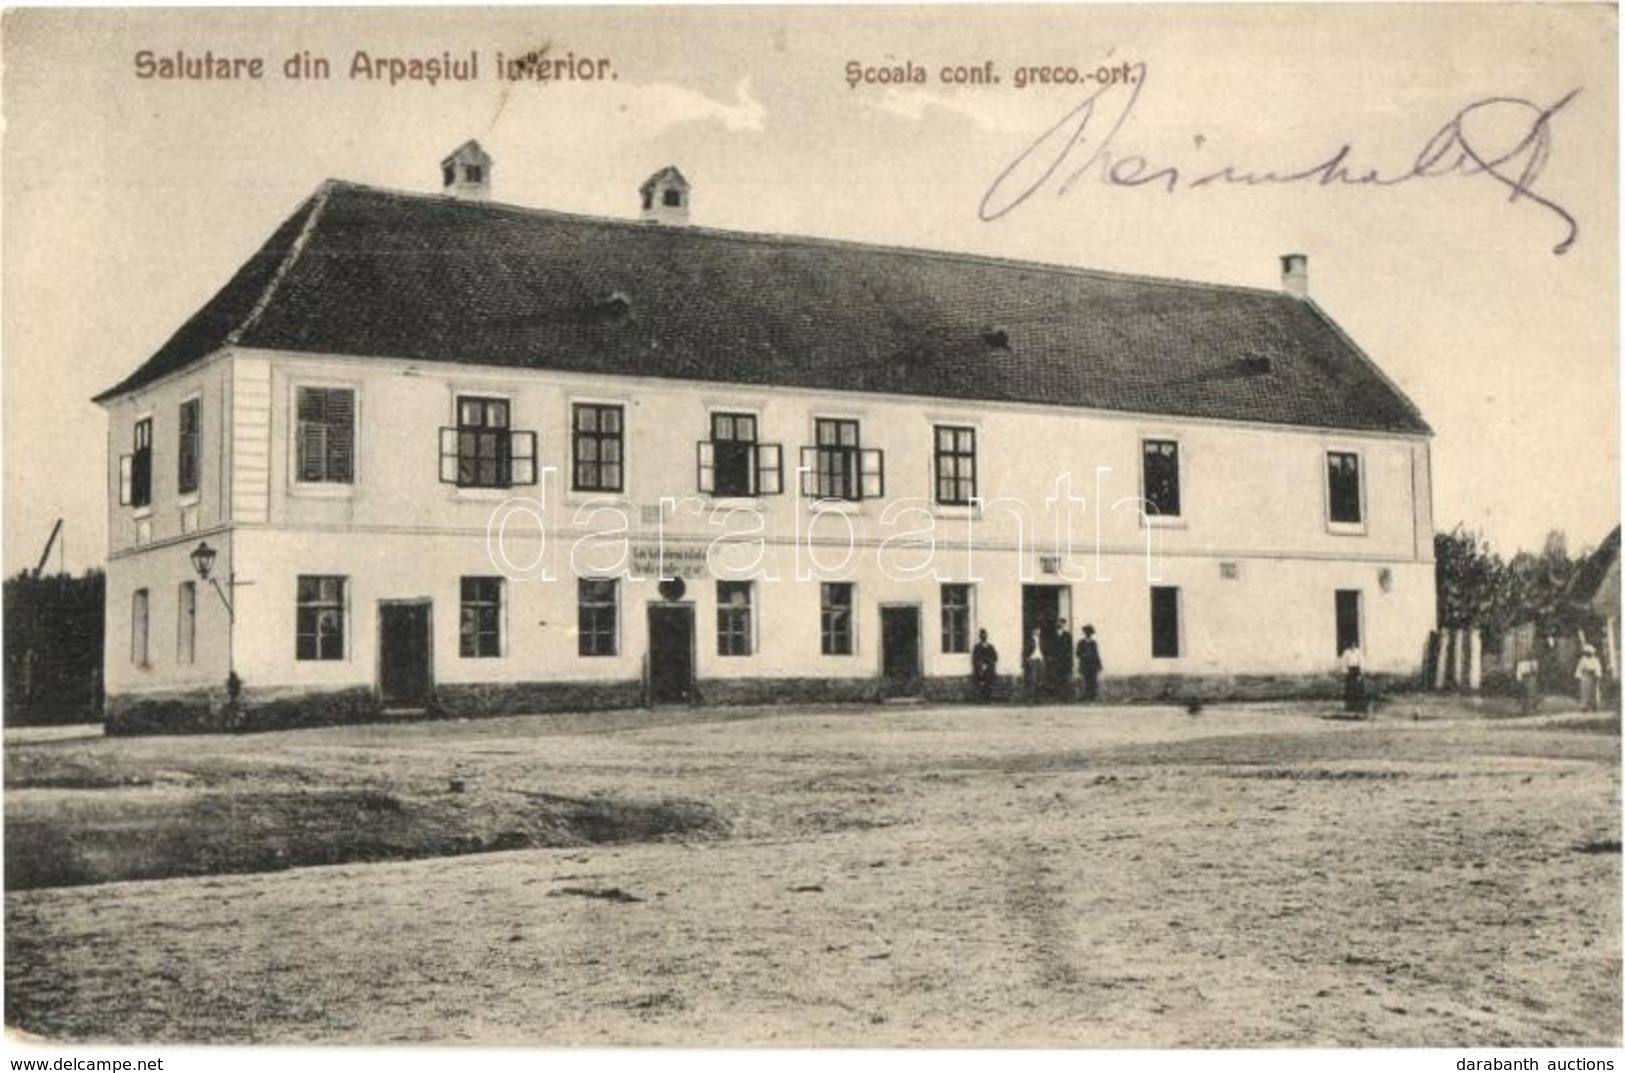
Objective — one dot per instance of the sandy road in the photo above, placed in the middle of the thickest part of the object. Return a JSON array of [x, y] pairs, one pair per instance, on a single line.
[[1118, 877]]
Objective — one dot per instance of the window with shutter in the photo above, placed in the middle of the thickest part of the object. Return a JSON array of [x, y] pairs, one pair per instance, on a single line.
[[326, 435]]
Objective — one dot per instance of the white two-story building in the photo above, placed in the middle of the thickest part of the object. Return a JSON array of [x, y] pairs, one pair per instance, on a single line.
[[431, 453]]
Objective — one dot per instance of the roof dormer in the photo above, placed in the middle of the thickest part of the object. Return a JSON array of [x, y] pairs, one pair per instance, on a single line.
[[466, 173], [665, 197]]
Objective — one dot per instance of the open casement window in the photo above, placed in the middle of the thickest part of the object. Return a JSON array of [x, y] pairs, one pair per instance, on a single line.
[[482, 451], [732, 464], [135, 469], [837, 466], [326, 435]]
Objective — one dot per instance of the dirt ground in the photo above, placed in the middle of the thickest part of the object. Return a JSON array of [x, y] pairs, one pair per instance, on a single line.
[[1128, 877]]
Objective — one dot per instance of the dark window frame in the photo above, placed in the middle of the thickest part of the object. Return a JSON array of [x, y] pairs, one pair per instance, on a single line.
[[735, 619], [135, 468], [1161, 477], [1345, 489], [836, 618], [958, 617], [319, 599], [590, 470], [954, 448], [598, 606], [480, 604], [189, 446]]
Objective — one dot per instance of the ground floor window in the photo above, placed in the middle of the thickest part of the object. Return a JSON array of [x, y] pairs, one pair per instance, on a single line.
[[734, 636], [320, 630], [186, 624], [1164, 622], [1348, 619], [138, 627], [835, 617], [597, 606], [956, 618], [480, 629]]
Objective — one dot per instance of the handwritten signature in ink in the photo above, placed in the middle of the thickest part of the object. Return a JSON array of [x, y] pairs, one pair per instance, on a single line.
[[1082, 145]]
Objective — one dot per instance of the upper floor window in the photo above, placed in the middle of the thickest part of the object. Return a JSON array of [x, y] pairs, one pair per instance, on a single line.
[[1160, 461], [482, 451], [480, 630], [135, 468], [597, 608], [733, 463], [1343, 498], [326, 431], [835, 618], [838, 466], [190, 447], [319, 628], [734, 632], [597, 436], [956, 465]]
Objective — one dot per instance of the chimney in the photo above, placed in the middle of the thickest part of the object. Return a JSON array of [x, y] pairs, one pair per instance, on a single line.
[[466, 173], [665, 197], [1295, 274]]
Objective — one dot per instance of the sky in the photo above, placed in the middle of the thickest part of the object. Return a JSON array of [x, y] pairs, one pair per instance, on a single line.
[[129, 201]]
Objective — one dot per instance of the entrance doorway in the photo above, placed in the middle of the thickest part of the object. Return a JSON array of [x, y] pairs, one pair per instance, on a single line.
[[1042, 609], [405, 653], [900, 649], [1042, 606], [1348, 619], [671, 653]]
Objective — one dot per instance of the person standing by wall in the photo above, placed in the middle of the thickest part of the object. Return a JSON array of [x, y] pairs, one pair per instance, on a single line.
[[1588, 672], [1032, 662], [1089, 664], [984, 664], [1353, 679], [1060, 662]]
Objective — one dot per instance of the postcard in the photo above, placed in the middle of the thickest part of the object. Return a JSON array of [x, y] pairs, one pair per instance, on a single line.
[[1054, 526]]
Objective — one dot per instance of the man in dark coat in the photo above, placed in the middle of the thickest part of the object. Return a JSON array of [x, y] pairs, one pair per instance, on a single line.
[[1060, 662], [1089, 665], [984, 665]]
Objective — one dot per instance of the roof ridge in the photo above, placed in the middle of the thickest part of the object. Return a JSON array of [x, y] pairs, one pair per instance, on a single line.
[[316, 202], [780, 238]]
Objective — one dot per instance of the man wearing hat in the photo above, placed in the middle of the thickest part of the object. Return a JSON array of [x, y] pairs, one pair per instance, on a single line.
[[1089, 665]]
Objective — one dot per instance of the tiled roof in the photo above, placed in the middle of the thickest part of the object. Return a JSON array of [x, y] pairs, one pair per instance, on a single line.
[[365, 272], [1584, 585]]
